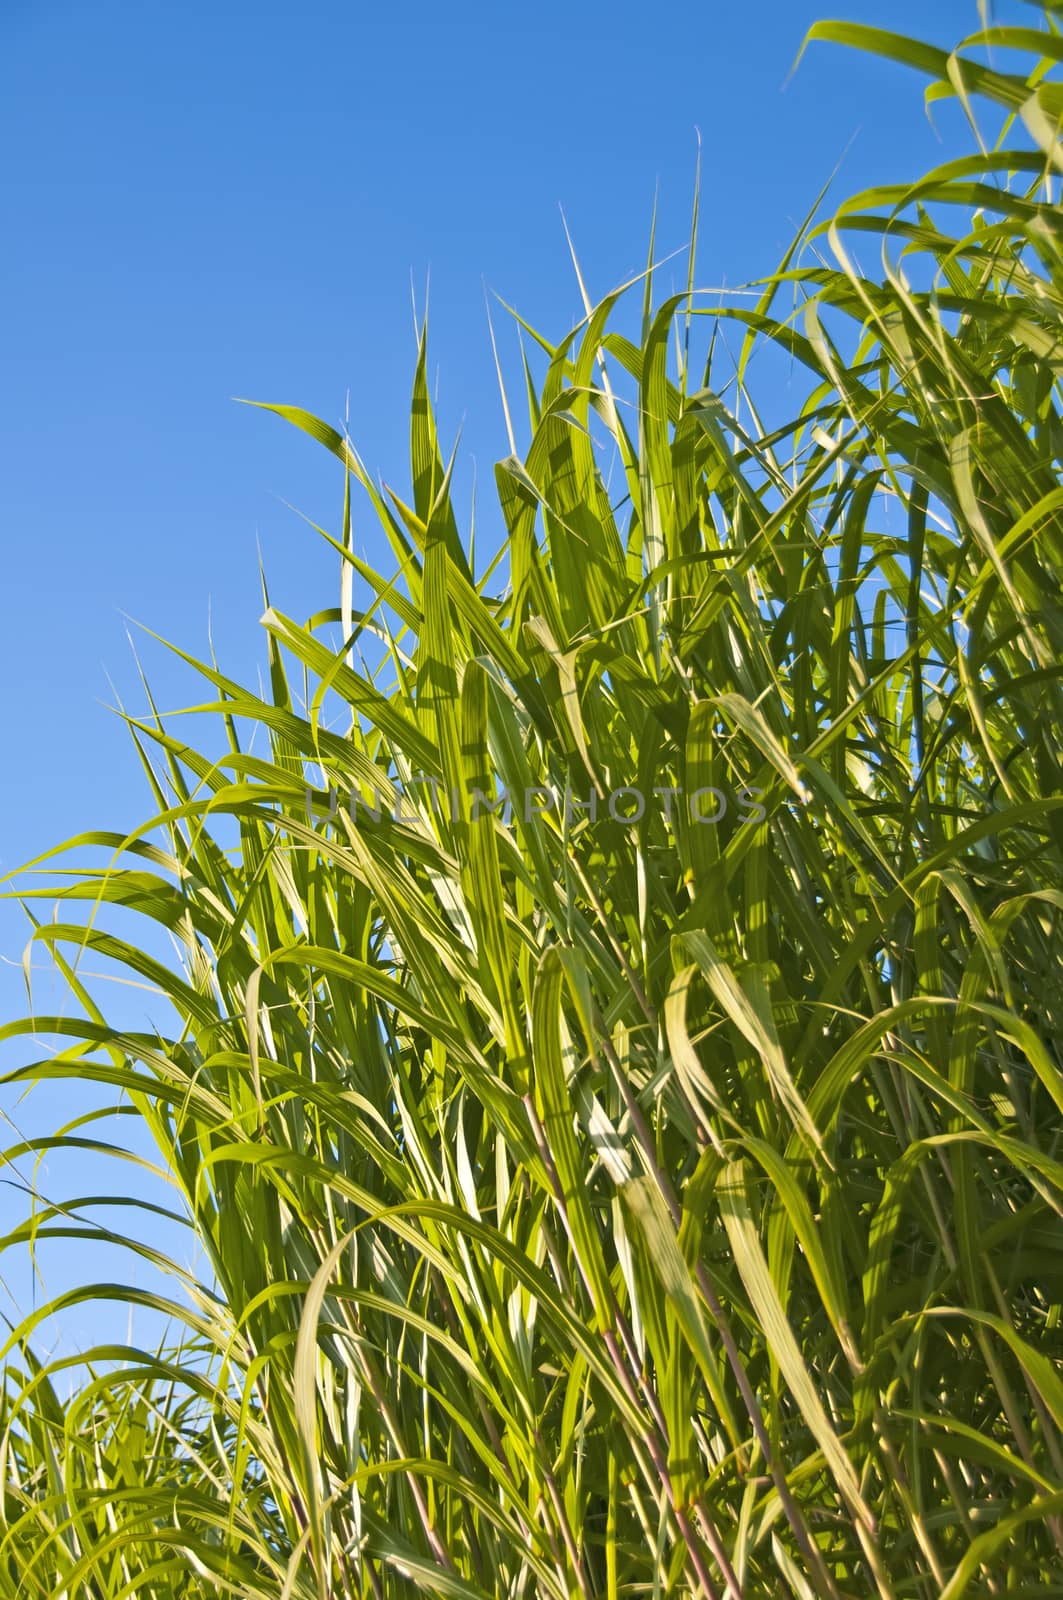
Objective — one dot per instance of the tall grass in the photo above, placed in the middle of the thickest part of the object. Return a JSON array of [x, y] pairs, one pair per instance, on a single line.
[[619, 1204]]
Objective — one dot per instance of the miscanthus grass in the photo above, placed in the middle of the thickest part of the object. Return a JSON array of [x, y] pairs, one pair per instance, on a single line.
[[617, 1204]]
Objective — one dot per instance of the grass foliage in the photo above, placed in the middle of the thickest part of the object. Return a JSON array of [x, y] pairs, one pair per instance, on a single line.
[[617, 1205]]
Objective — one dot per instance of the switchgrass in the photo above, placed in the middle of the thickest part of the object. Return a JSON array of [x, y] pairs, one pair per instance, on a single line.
[[607, 1202]]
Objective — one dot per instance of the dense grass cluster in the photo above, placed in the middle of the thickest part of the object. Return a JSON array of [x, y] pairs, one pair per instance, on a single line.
[[622, 1204]]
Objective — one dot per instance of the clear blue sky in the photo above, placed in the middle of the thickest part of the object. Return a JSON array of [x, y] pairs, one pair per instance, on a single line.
[[208, 200]]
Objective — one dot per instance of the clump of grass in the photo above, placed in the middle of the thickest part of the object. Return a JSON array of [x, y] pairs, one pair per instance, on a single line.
[[598, 1199]]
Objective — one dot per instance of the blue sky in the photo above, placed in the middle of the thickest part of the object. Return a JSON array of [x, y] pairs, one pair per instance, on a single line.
[[203, 201]]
